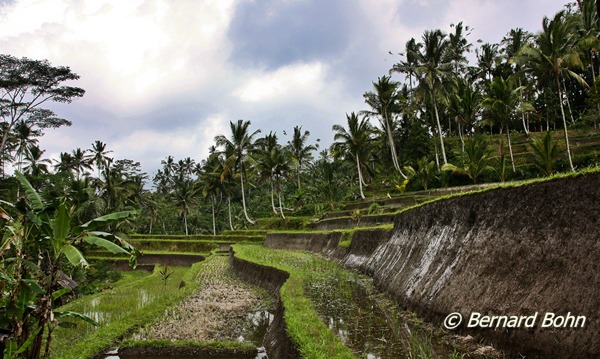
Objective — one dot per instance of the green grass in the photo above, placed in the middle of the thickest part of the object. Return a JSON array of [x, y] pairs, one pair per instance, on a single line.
[[514, 184], [232, 237], [312, 337], [137, 299]]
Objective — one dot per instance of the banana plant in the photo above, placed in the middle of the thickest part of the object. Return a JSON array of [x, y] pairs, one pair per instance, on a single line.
[[47, 233]]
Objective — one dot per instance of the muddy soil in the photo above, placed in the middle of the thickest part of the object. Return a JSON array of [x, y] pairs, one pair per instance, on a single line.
[[221, 310]]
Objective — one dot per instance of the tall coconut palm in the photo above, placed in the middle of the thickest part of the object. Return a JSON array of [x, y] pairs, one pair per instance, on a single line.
[[458, 45], [299, 150], [464, 105], [501, 104], [555, 54], [385, 104], [241, 144], [184, 196], [512, 44], [408, 67], [354, 142], [65, 163], [24, 137], [35, 164], [265, 146], [432, 71], [487, 60], [280, 159], [99, 155], [81, 161]]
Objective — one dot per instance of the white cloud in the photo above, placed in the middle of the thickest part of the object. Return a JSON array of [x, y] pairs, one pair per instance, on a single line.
[[293, 80]]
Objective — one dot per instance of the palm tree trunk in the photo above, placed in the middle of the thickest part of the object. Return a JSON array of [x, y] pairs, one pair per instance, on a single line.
[[388, 126], [523, 113], [439, 126], [562, 110], [229, 209], [462, 139], [185, 223], [244, 197], [150, 230], [360, 180], [568, 102], [212, 205], [512, 159], [273, 197], [280, 204]]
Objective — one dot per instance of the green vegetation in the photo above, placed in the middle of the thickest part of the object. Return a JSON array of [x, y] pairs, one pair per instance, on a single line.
[[138, 299], [304, 326], [528, 108]]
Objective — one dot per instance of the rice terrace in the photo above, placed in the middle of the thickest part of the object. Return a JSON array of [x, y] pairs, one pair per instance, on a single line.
[[456, 214]]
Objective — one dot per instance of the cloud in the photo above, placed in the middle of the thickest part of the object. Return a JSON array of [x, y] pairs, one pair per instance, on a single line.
[[164, 77]]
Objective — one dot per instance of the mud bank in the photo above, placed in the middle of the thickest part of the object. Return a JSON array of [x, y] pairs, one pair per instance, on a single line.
[[326, 243], [277, 343], [505, 252]]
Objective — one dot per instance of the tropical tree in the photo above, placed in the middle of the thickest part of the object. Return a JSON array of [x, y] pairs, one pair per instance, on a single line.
[[409, 66], [99, 155], [501, 106], [240, 146], [81, 161], [354, 142], [385, 103], [555, 53], [184, 196], [432, 70], [299, 150], [474, 161], [35, 165], [36, 230], [464, 106], [511, 45], [25, 85], [265, 163], [545, 152], [424, 174]]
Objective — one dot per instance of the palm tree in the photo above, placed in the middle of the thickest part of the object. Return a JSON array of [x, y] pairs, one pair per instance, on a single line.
[[99, 155], [24, 137], [280, 160], [264, 148], [458, 46], [464, 105], [501, 104], [432, 71], [35, 164], [184, 196], [299, 150], [545, 152], [475, 160], [555, 54], [409, 67], [81, 161], [241, 144], [354, 142], [512, 44], [487, 61], [65, 163], [385, 103]]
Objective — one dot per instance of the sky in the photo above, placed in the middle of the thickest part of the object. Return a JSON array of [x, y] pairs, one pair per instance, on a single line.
[[164, 77]]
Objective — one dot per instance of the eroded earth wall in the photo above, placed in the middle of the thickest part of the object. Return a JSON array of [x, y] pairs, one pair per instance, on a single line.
[[506, 252]]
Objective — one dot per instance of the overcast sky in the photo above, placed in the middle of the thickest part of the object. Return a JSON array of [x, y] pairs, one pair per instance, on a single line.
[[163, 77]]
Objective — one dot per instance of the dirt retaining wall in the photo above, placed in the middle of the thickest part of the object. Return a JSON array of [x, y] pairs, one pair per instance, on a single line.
[[277, 343], [325, 243], [512, 252]]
